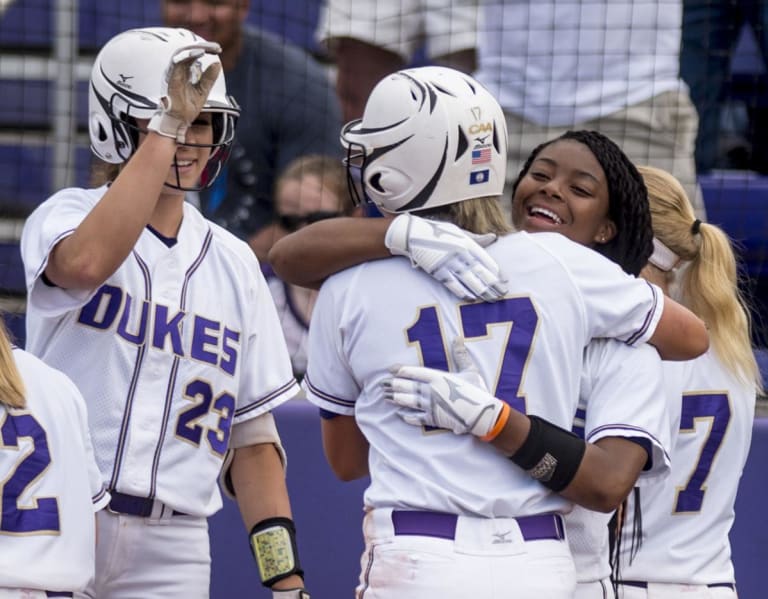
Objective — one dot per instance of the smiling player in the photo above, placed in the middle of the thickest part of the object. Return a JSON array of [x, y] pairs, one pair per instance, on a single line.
[[165, 322]]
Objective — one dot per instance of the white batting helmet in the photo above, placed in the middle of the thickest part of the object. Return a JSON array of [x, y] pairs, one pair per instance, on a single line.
[[429, 136], [128, 79]]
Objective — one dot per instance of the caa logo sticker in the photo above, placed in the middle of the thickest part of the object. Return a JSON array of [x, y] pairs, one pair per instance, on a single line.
[[478, 177], [476, 128]]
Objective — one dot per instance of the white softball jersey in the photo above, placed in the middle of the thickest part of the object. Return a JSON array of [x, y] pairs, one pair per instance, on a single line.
[[178, 346], [622, 394], [529, 348], [687, 518], [51, 484]]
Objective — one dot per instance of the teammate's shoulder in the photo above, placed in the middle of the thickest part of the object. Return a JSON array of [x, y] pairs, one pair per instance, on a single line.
[[30, 364]]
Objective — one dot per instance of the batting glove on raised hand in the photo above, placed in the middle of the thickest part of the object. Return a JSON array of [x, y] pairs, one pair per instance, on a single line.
[[187, 90], [451, 255], [456, 401]]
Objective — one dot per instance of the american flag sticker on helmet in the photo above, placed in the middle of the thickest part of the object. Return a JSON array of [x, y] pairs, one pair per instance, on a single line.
[[477, 177], [481, 155]]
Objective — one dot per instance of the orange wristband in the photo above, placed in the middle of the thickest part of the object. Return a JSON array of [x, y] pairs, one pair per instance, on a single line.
[[501, 421]]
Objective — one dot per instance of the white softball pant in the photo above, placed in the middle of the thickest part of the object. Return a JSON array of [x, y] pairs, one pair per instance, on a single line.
[[420, 555], [167, 557]]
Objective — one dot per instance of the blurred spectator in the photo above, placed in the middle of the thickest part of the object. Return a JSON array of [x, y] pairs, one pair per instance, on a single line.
[[311, 188], [368, 39], [608, 65], [711, 31], [289, 109]]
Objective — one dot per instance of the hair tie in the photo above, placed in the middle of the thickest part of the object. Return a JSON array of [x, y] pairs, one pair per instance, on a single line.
[[696, 226]]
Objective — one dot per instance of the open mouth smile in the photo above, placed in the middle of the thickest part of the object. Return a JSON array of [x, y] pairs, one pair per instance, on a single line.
[[539, 212]]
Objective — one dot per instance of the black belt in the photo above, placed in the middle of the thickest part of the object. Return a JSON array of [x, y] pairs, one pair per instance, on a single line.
[[121, 503], [58, 594], [442, 525], [644, 585]]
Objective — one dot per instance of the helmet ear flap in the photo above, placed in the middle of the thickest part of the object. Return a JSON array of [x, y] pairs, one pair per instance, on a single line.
[[111, 140]]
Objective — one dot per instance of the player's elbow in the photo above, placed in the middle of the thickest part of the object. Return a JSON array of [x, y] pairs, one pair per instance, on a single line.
[[607, 473], [348, 470], [284, 257], [680, 334], [605, 500], [81, 272]]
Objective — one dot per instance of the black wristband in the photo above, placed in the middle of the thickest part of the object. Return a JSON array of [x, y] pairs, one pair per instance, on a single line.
[[550, 454], [273, 544]]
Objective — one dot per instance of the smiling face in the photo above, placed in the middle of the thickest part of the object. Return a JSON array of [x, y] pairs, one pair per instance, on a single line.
[[565, 191], [190, 161]]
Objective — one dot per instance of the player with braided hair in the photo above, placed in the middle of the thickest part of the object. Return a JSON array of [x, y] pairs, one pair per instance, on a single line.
[[51, 484], [630, 245], [685, 549], [615, 223], [165, 322], [456, 496], [610, 367]]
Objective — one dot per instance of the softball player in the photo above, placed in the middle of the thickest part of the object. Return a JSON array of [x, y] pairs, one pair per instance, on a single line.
[[684, 548], [442, 507], [165, 322], [51, 484]]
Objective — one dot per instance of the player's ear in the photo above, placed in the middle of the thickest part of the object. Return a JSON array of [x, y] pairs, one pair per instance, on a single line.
[[605, 232]]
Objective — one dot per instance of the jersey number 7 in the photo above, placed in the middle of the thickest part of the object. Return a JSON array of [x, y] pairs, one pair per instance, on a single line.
[[716, 408], [519, 320]]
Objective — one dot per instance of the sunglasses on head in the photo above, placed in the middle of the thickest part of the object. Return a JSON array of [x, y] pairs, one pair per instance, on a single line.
[[293, 222]]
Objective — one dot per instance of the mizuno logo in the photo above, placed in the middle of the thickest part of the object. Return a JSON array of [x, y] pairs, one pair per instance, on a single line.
[[501, 538]]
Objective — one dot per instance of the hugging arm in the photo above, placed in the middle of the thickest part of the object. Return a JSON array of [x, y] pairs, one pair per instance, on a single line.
[[597, 476], [442, 250], [680, 334]]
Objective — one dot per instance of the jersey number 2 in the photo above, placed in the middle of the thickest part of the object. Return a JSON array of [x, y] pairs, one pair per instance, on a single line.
[[42, 517], [517, 314]]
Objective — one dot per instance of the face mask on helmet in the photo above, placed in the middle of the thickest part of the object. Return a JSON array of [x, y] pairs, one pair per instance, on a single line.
[[429, 137], [127, 83]]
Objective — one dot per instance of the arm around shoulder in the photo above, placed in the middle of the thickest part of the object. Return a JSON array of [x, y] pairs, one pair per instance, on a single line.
[[679, 334], [309, 256]]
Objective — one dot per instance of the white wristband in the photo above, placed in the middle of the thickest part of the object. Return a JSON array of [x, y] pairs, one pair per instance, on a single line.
[[396, 238], [169, 126]]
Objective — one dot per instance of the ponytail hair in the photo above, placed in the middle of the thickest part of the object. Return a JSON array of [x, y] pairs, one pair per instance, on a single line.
[[12, 392], [708, 284]]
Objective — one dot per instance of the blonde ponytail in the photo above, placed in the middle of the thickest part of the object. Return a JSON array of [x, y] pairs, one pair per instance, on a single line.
[[708, 282]]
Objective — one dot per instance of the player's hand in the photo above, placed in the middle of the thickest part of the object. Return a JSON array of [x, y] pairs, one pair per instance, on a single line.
[[451, 255], [187, 90], [456, 401]]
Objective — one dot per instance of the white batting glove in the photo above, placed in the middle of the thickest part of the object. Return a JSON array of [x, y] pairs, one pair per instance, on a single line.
[[449, 254], [187, 90], [456, 401]]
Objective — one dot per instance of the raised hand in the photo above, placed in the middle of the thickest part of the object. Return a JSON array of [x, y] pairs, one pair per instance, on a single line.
[[451, 255], [187, 90]]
